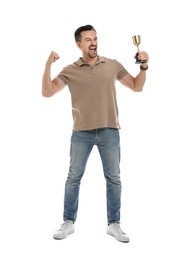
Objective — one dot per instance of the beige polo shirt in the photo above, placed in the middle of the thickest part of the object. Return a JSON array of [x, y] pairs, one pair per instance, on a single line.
[[93, 93]]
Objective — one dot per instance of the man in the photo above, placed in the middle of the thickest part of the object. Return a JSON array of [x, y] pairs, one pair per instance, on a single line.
[[91, 81]]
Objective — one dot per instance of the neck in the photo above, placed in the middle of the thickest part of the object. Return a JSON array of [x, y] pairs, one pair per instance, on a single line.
[[90, 61]]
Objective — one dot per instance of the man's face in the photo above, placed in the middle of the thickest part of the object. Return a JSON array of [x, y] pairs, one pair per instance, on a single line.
[[88, 44]]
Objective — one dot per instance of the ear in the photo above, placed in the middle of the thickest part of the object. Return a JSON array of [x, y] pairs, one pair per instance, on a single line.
[[78, 44]]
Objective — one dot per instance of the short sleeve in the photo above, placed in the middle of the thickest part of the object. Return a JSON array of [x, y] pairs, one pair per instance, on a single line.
[[62, 77], [121, 71]]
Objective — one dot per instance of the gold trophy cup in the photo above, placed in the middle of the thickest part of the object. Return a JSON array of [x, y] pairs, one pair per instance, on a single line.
[[137, 40]]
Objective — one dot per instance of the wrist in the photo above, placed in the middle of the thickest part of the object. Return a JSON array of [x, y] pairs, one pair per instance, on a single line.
[[143, 67], [48, 64]]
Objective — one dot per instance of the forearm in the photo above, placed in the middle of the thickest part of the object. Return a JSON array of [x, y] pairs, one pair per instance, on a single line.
[[50, 87], [47, 84], [139, 80], [137, 83]]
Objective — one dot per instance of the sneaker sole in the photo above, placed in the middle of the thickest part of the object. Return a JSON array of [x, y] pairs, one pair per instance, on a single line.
[[123, 241], [60, 238]]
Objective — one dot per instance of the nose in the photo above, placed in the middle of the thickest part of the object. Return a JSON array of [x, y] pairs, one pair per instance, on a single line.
[[94, 42]]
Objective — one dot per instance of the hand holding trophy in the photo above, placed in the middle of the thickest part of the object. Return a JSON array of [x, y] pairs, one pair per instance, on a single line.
[[137, 40]]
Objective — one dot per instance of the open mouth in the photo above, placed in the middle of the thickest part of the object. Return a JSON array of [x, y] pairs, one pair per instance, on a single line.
[[93, 50]]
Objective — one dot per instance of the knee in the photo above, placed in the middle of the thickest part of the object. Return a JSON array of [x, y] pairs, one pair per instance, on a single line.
[[113, 179], [74, 175]]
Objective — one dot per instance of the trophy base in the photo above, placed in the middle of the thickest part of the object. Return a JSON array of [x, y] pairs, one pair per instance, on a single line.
[[138, 61]]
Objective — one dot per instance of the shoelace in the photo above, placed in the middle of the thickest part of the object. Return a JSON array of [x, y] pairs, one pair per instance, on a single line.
[[65, 224], [118, 228]]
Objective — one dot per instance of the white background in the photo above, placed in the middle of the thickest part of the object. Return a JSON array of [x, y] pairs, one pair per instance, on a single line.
[[35, 131]]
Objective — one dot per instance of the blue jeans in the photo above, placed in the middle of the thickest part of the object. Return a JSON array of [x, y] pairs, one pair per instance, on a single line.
[[107, 141]]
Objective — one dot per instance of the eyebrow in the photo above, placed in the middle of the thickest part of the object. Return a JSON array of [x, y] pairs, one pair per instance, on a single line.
[[88, 38]]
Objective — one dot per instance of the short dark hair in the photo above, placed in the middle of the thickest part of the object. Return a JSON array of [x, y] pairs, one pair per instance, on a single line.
[[83, 28]]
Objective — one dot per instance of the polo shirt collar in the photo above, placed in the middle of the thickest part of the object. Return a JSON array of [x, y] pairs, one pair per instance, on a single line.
[[81, 63]]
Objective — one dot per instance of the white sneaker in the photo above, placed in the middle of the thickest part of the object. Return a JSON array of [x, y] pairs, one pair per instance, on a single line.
[[115, 230], [65, 229]]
